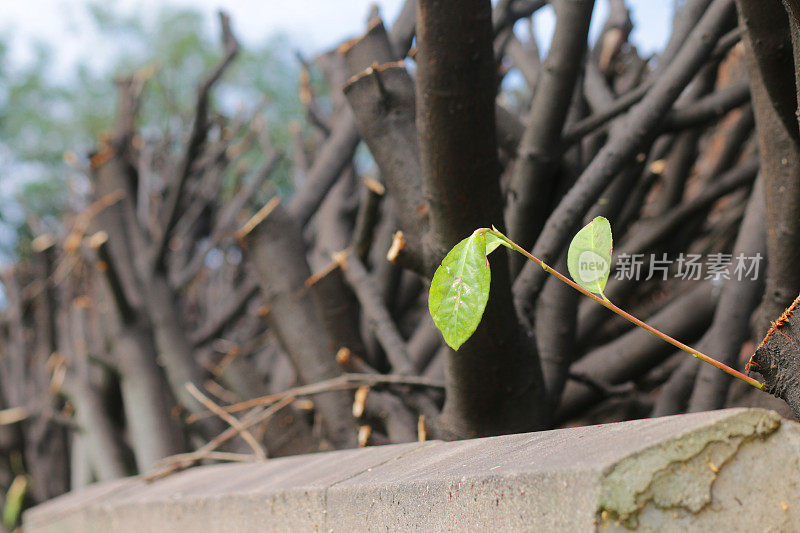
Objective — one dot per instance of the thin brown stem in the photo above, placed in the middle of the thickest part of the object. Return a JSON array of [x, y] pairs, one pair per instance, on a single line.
[[624, 314]]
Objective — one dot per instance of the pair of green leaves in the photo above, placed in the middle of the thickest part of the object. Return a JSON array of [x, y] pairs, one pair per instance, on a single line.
[[460, 287]]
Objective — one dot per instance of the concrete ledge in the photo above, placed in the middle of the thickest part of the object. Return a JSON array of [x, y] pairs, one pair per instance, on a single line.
[[731, 470]]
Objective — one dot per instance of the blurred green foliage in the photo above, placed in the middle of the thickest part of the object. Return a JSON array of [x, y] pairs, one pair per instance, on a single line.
[[42, 117]]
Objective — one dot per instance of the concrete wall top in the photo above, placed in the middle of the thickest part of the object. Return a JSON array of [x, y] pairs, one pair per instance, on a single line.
[[730, 470]]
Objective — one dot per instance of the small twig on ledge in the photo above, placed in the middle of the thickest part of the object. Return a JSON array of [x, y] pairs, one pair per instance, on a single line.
[[175, 463], [258, 450], [182, 461], [343, 382]]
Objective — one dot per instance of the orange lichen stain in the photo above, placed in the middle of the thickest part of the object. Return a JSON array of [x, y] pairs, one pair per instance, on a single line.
[[775, 326]]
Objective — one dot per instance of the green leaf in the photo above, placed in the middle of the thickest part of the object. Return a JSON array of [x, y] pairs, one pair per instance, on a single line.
[[589, 256], [14, 500], [460, 290]]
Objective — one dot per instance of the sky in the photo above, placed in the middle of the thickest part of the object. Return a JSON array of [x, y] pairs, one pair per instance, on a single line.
[[312, 25]]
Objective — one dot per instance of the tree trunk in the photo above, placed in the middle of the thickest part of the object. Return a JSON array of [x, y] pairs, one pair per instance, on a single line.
[[494, 381]]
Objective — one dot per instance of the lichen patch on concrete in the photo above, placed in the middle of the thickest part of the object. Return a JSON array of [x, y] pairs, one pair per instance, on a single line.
[[678, 473]]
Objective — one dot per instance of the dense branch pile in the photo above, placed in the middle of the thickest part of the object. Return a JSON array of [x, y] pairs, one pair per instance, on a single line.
[[178, 314]]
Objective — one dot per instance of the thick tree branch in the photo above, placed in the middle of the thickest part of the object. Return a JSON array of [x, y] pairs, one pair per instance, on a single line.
[[383, 101], [378, 316], [770, 66], [708, 108], [531, 189], [338, 149], [641, 124], [273, 242], [623, 103]]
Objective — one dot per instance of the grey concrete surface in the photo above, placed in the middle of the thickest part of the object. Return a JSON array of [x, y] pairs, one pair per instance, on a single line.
[[731, 470]]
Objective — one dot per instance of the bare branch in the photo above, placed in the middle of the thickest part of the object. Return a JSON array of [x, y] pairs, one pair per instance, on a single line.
[[171, 211], [378, 316]]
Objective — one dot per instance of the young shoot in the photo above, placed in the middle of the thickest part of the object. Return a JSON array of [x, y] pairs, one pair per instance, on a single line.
[[460, 286]]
